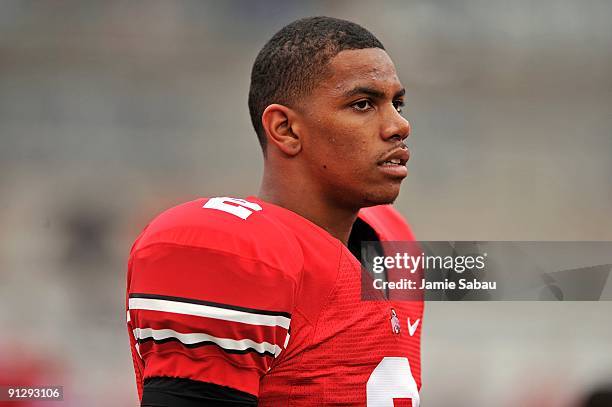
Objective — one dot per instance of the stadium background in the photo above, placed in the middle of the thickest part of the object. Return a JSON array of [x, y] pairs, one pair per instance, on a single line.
[[112, 111]]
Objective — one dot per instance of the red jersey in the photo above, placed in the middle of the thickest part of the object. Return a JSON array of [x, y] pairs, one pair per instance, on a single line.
[[249, 295]]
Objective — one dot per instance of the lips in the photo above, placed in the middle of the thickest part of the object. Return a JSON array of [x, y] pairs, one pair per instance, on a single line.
[[399, 156], [394, 163]]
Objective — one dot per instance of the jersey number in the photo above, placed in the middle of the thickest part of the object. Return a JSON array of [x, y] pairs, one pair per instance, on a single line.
[[234, 206], [391, 379]]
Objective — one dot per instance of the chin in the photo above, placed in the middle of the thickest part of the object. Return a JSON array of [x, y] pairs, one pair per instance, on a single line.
[[381, 197]]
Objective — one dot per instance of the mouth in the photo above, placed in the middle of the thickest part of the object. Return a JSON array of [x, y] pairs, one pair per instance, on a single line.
[[394, 163]]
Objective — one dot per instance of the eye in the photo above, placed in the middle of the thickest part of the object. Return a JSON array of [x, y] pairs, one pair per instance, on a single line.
[[362, 105], [398, 104]]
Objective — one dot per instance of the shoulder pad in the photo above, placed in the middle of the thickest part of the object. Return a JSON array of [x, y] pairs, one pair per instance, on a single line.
[[231, 225]]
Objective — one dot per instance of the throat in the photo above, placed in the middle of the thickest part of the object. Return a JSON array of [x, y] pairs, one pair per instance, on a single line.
[[334, 219]]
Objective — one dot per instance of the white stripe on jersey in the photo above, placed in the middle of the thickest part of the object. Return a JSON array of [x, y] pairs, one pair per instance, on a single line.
[[208, 312], [193, 338]]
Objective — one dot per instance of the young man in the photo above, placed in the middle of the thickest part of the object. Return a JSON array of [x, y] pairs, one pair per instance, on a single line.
[[257, 301]]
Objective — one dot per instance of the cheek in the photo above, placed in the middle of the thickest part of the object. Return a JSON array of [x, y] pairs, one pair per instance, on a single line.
[[343, 147], [344, 156]]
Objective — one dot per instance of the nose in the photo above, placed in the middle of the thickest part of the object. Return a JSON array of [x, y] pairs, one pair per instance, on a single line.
[[395, 126]]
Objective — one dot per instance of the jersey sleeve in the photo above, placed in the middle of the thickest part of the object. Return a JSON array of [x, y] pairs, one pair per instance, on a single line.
[[207, 315]]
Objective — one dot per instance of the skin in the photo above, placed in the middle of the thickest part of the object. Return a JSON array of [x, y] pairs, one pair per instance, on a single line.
[[323, 155]]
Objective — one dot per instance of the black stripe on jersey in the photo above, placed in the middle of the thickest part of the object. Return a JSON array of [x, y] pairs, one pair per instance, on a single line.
[[179, 392], [205, 343], [211, 304]]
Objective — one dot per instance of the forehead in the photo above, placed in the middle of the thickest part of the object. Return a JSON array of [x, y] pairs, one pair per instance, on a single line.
[[361, 67]]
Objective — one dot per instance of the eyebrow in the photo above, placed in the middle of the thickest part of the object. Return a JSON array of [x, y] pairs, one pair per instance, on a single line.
[[375, 93]]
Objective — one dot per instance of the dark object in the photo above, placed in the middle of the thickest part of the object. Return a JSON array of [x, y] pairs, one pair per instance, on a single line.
[[177, 392]]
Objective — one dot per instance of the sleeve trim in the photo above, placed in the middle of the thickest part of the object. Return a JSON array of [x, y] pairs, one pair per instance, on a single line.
[[210, 304]]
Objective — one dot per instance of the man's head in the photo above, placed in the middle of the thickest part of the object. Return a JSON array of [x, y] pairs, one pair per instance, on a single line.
[[295, 59], [325, 102]]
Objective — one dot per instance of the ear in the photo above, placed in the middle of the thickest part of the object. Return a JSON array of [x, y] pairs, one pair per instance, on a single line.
[[279, 124]]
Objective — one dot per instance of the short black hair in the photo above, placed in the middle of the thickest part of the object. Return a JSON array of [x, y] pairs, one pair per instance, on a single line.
[[295, 59]]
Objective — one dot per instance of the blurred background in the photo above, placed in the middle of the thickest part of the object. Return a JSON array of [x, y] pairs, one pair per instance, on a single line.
[[111, 112]]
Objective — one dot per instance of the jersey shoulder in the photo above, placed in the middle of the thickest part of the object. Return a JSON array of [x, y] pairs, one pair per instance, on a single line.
[[233, 226], [387, 222], [211, 290]]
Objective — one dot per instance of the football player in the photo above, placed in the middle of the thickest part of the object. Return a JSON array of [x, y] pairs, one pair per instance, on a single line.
[[257, 301]]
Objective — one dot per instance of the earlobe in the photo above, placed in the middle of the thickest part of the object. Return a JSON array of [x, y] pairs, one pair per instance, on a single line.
[[278, 123]]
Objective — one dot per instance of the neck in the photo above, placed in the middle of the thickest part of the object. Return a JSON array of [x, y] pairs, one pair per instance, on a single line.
[[310, 204]]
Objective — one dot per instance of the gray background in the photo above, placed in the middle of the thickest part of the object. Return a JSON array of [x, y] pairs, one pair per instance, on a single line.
[[112, 111]]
